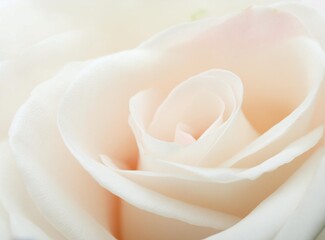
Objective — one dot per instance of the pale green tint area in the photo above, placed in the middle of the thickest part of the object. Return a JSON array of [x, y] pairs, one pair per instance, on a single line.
[[199, 14], [321, 236]]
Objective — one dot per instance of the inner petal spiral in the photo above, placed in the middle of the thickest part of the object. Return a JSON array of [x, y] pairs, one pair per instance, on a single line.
[[191, 104], [198, 123]]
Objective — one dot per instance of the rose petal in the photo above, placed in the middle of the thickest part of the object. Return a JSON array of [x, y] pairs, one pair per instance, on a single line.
[[41, 44], [228, 186], [310, 16], [314, 20], [22, 219], [152, 201], [4, 224], [182, 134], [270, 216], [230, 193], [310, 212], [55, 180], [156, 227], [213, 219], [148, 200], [286, 155]]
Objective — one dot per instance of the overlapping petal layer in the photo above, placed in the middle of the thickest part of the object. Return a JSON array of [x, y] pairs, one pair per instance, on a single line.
[[20, 218], [209, 105], [56, 182]]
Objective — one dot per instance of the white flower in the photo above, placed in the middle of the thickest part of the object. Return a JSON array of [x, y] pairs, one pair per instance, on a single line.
[[211, 129]]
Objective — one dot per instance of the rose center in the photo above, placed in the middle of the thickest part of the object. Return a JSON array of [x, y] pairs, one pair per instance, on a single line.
[[186, 116], [189, 109], [196, 116]]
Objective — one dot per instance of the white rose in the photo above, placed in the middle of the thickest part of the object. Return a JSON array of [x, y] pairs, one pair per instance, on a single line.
[[212, 129]]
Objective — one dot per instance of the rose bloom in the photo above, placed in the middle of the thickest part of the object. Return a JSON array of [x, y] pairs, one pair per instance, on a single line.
[[211, 129]]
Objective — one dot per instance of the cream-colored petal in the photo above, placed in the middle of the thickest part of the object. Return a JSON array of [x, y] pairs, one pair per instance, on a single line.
[[309, 218], [271, 215], [221, 192], [35, 43], [314, 19], [310, 14], [286, 155], [318, 4], [157, 227], [5, 232], [64, 193], [148, 200], [23, 220], [183, 134]]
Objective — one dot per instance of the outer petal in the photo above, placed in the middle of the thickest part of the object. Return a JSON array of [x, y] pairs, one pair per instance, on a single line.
[[5, 232], [314, 21], [70, 200], [318, 4], [309, 219], [251, 186], [310, 15], [21, 217], [273, 213]]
